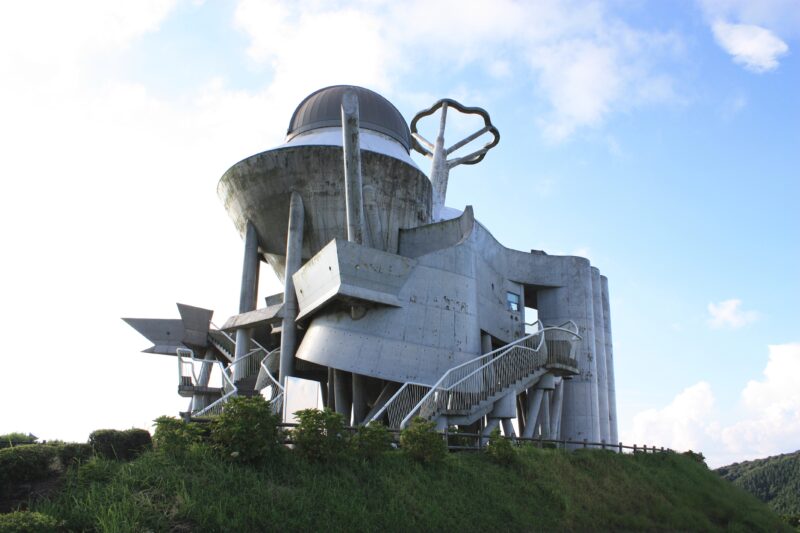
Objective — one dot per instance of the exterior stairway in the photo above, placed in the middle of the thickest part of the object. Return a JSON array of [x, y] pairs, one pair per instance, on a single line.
[[469, 391]]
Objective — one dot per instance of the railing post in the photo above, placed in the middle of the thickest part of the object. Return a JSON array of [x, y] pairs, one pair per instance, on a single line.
[[620, 447], [602, 444], [634, 449], [584, 443]]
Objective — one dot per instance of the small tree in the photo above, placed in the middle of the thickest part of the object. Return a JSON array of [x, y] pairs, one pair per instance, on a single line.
[[320, 435], [421, 441], [246, 431], [500, 450], [175, 437], [371, 440]]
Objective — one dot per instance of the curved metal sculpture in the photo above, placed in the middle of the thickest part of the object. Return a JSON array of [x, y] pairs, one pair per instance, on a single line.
[[440, 168]]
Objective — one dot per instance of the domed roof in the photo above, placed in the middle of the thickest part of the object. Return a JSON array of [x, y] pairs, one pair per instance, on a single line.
[[323, 109]]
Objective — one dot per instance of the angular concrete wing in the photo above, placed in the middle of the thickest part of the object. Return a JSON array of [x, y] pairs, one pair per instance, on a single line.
[[196, 321], [350, 272], [166, 334]]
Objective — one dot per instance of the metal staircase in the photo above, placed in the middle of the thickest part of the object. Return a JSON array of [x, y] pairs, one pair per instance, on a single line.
[[252, 370], [469, 391]]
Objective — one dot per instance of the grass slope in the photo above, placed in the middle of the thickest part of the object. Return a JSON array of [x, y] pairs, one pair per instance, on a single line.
[[774, 480], [543, 490]]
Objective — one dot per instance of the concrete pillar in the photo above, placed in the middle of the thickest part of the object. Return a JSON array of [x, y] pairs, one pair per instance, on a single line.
[[580, 416], [534, 403], [508, 428], [555, 411], [612, 393], [248, 294], [545, 418], [343, 391], [354, 187], [359, 398], [487, 430], [440, 172], [486, 343], [600, 350], [331, 403], [200, 401], [294, 250]]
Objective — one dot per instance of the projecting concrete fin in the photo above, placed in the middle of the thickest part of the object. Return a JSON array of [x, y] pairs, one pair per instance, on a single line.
[[196, 321], [416, 242], [166, 334], [267, 315], [353, 273]]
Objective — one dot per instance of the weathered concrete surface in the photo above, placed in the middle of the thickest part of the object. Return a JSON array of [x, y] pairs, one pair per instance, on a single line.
[[612, 391], [400, 193], [600, 350]]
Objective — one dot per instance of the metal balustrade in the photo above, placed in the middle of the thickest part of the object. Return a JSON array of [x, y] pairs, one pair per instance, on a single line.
[[486, 378]]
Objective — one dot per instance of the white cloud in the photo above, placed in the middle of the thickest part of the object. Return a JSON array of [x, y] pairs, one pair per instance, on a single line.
[[757, 48], [728, 313], [769, 418], [586, 63], [681, 425]]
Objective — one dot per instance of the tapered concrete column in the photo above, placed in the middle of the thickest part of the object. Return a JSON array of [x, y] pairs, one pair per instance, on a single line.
[[534, 403], [294, 250], [600, 350], [508, 428], [545, 417], [491, 424], [555, 411], [201, 401], [343, 391], [247, 295], [580, 416], [359, 398], [354, 187], [440, 172], [612, 393]]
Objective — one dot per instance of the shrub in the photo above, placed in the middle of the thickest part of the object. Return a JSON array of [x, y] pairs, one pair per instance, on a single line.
[[120, 445], [27, 522], [25, 463], [70, 453], [696, 456], [421, 441], [97, 470], [500, 450], [174, 437], [246, 431], [16, 438], [319, 435], [371, 440]]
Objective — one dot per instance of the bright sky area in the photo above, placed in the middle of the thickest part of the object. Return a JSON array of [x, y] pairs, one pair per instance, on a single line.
[[659, 139]]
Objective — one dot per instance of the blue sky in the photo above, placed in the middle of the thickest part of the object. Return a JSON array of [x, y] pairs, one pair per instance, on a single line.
[[659, 139]]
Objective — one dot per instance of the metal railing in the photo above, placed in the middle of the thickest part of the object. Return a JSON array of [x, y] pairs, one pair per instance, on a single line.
[[266, 379], [484, 378]]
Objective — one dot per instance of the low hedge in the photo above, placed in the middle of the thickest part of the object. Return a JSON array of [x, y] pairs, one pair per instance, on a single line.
[[27, 522], [120, 445], [24, 464]]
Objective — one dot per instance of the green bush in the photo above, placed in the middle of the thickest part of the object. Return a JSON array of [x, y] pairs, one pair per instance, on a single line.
[[319, 435], [27, 522], [25, 463], [500, 450], [16, 438], [371, 440], [70, 453], [174, 437], [421, 441], [120, 445], [97, 470], [696, 456], [246, 431]]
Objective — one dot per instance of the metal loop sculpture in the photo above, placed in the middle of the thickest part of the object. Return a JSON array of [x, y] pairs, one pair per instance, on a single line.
[[440, 168]]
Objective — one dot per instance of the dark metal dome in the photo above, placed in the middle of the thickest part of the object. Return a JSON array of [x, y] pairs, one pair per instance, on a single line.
[[322, 109]]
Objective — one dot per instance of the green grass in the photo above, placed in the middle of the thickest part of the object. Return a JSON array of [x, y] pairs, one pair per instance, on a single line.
[[544, 490]]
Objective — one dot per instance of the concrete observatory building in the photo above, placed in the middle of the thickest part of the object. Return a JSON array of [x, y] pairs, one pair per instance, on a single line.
[[394, 306]]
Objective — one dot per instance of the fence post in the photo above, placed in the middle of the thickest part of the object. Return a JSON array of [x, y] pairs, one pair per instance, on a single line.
[[620, 447], [634, 449], [602, 444], [584, 443]]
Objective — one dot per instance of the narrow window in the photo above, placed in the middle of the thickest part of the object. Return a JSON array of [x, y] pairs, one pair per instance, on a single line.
[[512, 301]]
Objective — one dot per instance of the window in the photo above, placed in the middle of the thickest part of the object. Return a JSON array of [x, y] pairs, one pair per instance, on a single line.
[[512, 302]]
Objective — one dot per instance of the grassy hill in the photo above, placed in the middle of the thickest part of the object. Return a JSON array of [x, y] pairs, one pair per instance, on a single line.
[[774, 480], [541, 490]]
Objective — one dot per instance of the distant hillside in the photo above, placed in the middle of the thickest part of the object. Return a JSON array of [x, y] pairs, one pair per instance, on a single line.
[[774, 480]]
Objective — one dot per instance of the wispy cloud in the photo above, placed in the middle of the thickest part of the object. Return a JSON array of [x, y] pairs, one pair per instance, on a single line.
[[729, 314], [754, 47]]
